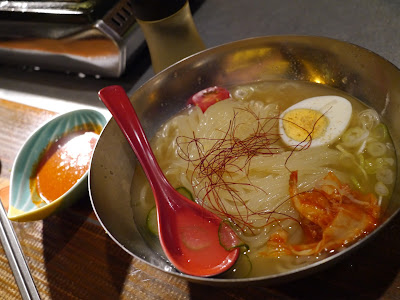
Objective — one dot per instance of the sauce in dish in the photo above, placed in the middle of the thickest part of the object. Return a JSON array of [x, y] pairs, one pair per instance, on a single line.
[[63, 163]]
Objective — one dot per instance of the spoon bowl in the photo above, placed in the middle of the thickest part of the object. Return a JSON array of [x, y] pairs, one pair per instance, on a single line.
[[189, 234]]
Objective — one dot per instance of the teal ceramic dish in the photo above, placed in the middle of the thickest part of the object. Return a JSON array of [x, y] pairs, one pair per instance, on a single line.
[[22, 206]]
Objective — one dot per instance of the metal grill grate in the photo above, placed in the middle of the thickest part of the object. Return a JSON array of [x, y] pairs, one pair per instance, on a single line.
[[121, 17]]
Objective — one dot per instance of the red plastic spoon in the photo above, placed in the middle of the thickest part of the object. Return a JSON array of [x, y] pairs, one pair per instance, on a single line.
[[189, 234]]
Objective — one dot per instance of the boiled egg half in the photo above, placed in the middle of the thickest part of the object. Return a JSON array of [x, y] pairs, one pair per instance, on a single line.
[[315, 121]]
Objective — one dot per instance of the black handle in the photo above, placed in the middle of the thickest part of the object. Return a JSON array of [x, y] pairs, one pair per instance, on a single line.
[[152, 10]]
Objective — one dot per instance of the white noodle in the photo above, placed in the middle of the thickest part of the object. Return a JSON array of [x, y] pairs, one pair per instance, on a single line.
[[261, 188]]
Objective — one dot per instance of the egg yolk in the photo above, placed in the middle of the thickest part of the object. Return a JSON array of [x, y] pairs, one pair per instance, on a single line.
[[300, 124]]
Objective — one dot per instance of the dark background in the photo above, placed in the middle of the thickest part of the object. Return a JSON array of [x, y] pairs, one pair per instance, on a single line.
[[373, 24]]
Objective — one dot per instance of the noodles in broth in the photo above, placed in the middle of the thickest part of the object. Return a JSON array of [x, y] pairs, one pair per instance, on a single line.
[[232, 160]]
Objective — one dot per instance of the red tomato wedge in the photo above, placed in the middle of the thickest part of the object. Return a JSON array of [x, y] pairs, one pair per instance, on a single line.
[[209, 96], [228, 239]]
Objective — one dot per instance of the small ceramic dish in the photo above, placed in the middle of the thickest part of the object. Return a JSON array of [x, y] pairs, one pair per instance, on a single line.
[[24, 204]]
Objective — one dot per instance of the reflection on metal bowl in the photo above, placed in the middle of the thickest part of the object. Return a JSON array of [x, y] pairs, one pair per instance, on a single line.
[[337, 64]]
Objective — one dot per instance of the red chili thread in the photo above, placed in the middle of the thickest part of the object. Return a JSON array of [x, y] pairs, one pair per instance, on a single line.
[[211, 166]]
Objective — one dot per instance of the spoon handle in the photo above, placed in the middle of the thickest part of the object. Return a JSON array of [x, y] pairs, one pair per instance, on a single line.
[[188, 232], [118, 103]]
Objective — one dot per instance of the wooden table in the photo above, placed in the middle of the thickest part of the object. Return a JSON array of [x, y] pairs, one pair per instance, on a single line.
[[71, 257]]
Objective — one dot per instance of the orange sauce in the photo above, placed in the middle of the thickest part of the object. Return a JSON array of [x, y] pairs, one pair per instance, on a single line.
[[63, 164]]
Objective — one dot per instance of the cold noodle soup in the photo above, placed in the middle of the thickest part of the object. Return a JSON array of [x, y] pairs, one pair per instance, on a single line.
[[299, 170]]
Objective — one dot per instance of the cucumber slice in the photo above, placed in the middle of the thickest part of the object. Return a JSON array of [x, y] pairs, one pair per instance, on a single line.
[[195, 238], [151, 221], [185, 192], [242, 268]]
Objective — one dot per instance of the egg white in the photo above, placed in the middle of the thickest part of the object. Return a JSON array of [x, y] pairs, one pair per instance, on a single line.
[[337, 110]]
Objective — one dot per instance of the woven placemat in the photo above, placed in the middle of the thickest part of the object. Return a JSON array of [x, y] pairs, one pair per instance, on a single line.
[[71, 257]]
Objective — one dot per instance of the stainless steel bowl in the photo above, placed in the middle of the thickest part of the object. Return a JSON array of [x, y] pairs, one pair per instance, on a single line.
[[344, 66]]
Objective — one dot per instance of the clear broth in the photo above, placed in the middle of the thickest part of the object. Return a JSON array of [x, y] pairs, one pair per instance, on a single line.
[[284, 93]]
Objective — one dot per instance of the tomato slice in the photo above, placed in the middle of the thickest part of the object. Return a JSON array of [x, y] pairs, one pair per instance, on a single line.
[[228, 238], [209, 96]]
